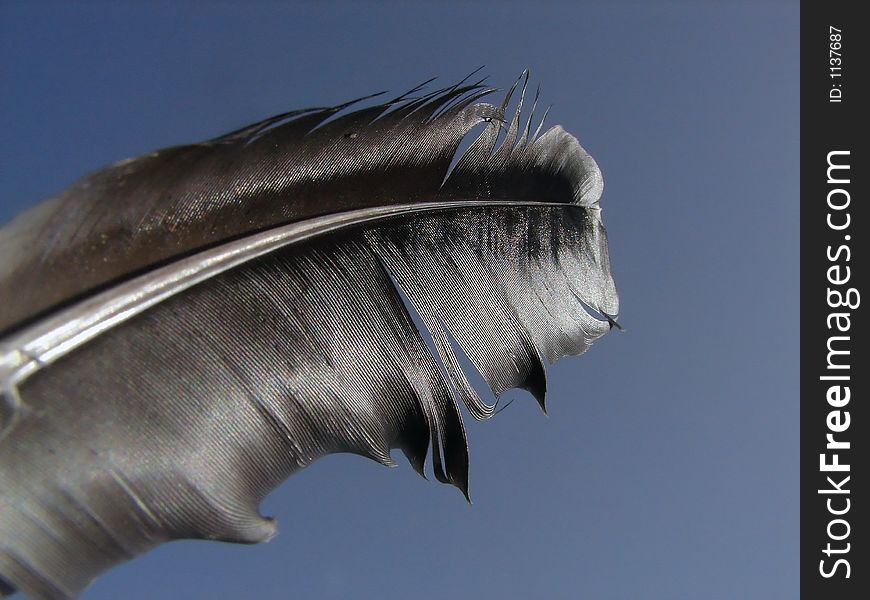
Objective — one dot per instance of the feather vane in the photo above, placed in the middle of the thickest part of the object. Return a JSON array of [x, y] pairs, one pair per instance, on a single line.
[[182, 331]]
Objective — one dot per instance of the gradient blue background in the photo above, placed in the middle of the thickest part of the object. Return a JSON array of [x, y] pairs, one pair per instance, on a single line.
[[668, 467]]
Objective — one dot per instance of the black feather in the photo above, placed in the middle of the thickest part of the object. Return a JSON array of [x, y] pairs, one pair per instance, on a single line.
[[186, 329]]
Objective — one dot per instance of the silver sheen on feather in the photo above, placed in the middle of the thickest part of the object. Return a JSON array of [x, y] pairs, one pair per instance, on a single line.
[[181, 331]]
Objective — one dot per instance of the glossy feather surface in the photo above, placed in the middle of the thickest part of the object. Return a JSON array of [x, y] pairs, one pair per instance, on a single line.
[[175, 414]]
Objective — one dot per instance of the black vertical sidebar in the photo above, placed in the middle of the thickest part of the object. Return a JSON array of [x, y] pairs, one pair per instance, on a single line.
[[835, 364]]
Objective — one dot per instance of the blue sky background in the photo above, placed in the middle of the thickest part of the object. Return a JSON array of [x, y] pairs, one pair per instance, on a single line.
[[668, 467]]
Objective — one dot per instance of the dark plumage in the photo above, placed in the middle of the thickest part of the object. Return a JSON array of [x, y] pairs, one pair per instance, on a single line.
[[184, 330]]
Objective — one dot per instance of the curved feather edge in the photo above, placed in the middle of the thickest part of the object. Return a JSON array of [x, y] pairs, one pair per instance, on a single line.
[[163, 395]]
